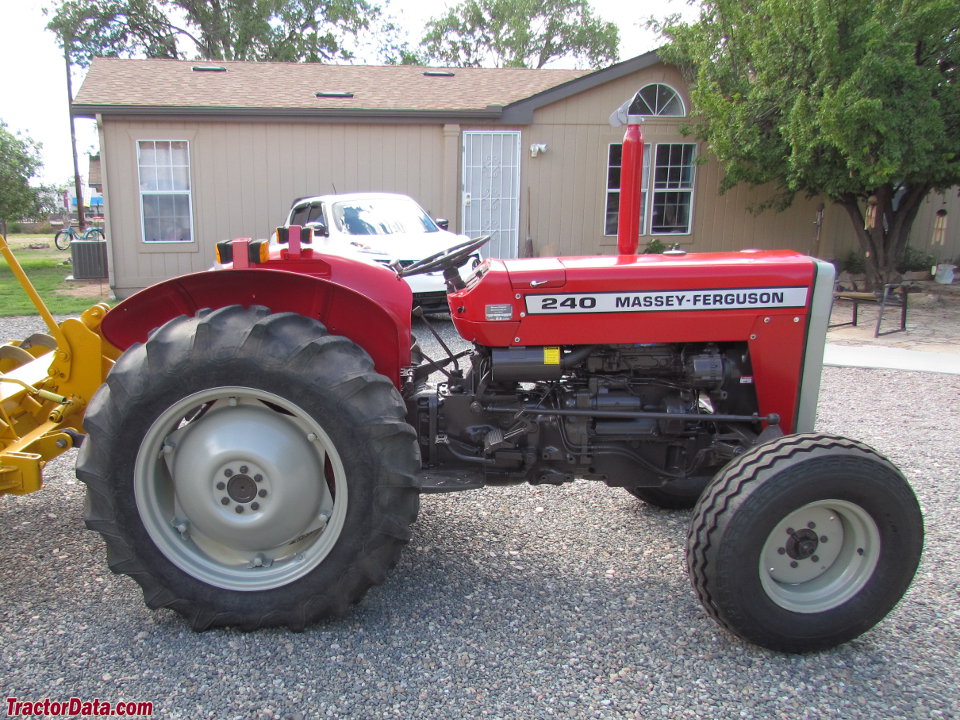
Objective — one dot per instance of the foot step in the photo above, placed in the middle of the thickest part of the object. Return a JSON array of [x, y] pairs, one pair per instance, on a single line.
[[444, 481]]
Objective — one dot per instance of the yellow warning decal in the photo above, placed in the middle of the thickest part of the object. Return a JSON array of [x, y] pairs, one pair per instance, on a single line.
[[551, 356]]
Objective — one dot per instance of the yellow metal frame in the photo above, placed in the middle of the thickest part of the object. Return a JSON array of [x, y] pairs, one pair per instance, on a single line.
[[42, 402]]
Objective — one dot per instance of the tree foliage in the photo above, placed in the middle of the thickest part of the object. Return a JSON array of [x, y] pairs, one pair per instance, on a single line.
[[19, 162], [520, 33], [284, 30], [851, 101]]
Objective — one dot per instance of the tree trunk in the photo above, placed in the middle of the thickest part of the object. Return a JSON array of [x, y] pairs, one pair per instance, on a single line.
[[885, 244]]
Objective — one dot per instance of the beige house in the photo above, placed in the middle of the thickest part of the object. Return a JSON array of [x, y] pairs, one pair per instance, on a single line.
[[197, 152]]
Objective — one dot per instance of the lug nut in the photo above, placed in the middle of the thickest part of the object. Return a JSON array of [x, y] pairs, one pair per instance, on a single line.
[[243, 469], [811, 525], [794, 564], [781, 551], [239, 509], [823, 538], [221, 486], [224, 501], [255, 506], [228, 472], [258, 478], [815, 559], [262, 493]]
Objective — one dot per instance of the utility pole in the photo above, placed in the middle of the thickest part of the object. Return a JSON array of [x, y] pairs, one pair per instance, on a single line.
[[78, 186]]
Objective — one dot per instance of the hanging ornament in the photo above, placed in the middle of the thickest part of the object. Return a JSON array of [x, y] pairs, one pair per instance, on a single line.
[[870, 216], [940, 227]]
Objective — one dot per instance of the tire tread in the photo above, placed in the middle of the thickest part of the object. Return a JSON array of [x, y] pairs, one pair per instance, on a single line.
[[731, 483], [332, 364]]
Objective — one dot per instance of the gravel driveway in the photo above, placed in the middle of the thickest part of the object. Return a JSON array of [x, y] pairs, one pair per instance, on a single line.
[[512, 603]]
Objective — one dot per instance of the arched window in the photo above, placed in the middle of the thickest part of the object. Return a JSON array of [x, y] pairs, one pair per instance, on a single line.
[[658, 99]]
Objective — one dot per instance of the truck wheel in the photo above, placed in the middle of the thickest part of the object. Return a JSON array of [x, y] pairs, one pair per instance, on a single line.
[[805, 542], [247, 468]]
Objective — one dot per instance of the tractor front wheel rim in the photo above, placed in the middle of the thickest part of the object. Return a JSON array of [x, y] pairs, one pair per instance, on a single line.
[[819, 556]]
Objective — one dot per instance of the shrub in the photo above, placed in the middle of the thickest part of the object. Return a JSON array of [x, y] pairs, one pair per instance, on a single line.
[[654, 247], [852, 263], [916, 261]]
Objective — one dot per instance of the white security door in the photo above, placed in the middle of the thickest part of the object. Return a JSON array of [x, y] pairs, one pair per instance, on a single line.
[[491, 189]]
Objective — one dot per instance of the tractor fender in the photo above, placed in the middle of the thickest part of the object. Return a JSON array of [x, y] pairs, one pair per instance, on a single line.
[[369, 305]]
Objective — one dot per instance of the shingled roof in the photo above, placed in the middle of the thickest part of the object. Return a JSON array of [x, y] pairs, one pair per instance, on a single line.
[[115, 86], [124, 86]]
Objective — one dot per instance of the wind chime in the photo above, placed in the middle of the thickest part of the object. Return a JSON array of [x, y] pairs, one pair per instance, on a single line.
[[940, 227], [870, 216]]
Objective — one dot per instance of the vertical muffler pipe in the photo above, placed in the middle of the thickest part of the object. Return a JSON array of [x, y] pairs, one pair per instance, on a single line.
[[631, 179]]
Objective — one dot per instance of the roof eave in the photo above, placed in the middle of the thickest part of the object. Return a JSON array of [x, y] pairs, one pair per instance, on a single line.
[[84, 110], [520, 112]]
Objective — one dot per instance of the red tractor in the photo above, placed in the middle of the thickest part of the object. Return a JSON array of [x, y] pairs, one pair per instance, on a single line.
[[256, 455]]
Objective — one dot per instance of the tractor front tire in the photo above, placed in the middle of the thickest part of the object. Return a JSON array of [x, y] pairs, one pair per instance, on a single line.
[[248, 469], [804, 542]]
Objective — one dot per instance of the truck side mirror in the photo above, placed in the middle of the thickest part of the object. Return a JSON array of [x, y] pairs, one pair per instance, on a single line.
[[442, 223], [319, 228]]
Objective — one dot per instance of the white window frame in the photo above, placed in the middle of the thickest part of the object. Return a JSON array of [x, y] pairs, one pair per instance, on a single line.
[[648, 193], [171, 192], [665, 190], [660, 111], [611, 193]]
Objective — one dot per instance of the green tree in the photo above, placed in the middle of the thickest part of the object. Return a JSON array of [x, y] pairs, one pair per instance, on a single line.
[[284, 30], [19, 162], [855, 102], [520, 33]]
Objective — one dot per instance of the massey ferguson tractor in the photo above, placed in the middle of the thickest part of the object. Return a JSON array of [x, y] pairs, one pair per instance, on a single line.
[[256, 439]]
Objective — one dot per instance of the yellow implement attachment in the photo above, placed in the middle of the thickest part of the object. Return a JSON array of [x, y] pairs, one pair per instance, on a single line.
[[46, 382]]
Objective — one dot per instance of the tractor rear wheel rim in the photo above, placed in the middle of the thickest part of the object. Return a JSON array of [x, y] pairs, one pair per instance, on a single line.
[[819, 556], [240, 488]]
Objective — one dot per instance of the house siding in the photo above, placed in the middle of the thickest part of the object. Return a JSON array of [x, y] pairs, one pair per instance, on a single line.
[[567, 184], [246, 174], [246, 171]]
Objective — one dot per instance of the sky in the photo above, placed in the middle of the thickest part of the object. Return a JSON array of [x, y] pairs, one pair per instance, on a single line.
[[33, 85]]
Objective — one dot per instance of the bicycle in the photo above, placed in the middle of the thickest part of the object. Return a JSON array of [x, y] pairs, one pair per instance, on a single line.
[[67, 235]]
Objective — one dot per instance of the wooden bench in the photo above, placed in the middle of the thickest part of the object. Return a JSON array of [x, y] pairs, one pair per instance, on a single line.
[[892, 295]]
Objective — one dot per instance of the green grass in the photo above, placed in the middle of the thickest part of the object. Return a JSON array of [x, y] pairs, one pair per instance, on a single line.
[[46, 269]]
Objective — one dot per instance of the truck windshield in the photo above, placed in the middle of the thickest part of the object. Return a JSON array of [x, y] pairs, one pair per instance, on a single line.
[[382, 216]]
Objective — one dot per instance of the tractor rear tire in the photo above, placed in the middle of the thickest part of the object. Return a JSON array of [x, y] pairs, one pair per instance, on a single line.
[[248, 469], [804, 542]]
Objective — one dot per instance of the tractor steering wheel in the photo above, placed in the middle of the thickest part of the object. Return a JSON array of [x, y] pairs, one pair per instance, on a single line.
[[451, 258]]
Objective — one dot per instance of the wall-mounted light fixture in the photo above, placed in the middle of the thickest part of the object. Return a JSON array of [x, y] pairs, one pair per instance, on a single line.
[[537, 148]]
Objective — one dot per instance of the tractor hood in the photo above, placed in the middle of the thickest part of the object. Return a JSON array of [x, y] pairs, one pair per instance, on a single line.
[[776, 302]]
